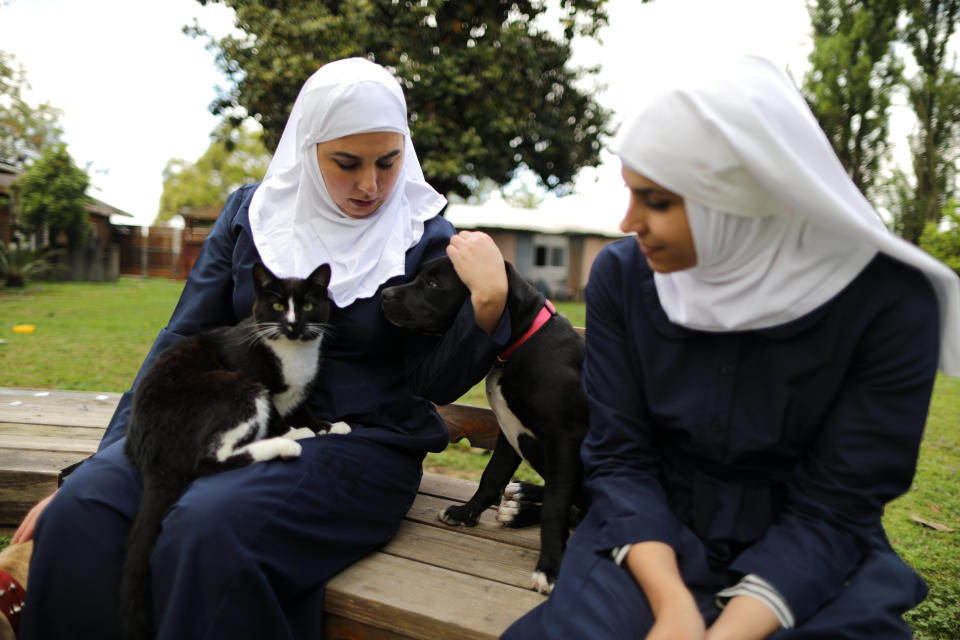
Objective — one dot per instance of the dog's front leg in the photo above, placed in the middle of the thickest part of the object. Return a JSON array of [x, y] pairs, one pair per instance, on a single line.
[[503, 463]]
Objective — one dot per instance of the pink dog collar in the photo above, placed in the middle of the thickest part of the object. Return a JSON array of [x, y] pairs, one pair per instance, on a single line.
[[545, 314]]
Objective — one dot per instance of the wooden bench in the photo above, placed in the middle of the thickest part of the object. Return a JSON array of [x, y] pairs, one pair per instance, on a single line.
[[431, 582]]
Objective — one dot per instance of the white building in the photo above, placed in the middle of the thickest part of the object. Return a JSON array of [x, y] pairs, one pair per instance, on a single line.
[[552, 246]]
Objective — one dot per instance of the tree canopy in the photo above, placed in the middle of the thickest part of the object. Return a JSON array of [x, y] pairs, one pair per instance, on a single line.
[[235, 156], [934, 94], [853, 73], [488, 90], [25, 130], [54, 192]]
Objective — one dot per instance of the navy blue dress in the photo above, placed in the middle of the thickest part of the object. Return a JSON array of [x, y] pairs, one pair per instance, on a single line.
[[246, 553], [768, 452]]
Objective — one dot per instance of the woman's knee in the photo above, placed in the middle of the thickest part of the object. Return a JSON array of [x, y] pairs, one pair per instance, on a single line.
[[593, 598], [871, 604], [101, 496]]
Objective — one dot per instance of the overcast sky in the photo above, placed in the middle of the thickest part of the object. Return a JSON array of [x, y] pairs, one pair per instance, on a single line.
[[135, 91]]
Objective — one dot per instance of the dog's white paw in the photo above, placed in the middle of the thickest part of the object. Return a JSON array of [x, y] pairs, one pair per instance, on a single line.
[[507, 510], [446, 519], [299, 433], [514, 491], [340, 427], [540, 582]]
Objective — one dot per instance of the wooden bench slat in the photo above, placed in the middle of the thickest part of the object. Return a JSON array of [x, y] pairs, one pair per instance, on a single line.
[[425, 509], [26, 477], [50, 431], [336, 627], [60, 397], [477, 424], [449, 549], [37, 462], [425, 602], [60, 443], [442, 486], [59, 416]]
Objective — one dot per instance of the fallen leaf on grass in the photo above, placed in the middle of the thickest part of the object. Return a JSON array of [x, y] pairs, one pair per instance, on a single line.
[[932, 525]]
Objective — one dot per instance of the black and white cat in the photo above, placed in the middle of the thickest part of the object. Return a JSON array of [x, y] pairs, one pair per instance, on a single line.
[[219, 400]]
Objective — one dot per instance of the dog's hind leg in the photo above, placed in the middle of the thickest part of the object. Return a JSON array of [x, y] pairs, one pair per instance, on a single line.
[[521, 505], [517, 514], [526, 491], [561, 486], [503, 463]]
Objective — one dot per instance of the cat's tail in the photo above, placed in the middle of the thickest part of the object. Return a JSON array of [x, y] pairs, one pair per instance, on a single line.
[[136, 605]]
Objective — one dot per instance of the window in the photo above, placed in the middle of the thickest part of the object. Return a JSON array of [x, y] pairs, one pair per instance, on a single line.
[[540, 260]]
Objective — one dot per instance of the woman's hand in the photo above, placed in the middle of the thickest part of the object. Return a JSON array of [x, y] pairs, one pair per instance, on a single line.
[[744, 618], [25, 531], [682, 621], [675, 612], [478, 262]]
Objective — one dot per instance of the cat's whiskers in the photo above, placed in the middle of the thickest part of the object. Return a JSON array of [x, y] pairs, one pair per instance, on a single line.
[[313, 330], [259, 332], [269, 330]]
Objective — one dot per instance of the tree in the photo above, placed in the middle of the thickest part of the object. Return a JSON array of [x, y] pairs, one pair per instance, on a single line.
[[488, 91], [235, 156], [25, 130], [934, 95], [55, 195], [854, 70]]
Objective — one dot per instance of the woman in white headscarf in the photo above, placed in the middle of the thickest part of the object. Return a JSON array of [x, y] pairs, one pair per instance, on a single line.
[[246, 554], [760, 359]]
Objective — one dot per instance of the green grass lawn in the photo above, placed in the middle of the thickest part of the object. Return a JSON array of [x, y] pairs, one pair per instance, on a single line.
[[88, 336], [935, 496], [95, 336]]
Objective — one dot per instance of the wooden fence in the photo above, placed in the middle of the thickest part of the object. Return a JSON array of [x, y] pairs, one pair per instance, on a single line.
[[156, 254]]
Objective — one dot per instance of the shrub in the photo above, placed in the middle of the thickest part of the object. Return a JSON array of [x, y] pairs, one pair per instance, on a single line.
[[18, 265]]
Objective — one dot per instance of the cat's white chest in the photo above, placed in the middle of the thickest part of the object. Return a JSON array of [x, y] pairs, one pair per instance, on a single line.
[[298, 362]]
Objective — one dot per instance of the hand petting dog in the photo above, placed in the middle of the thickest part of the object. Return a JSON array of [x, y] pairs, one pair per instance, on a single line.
[[479, 263]]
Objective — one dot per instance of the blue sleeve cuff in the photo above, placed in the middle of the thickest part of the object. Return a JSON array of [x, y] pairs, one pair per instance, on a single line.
[[756, 587]]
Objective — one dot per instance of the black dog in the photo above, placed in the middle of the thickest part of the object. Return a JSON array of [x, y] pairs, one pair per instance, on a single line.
[[535, 391]]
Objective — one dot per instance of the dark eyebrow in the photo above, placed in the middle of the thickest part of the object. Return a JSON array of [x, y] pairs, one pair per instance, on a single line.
[[349, 156], [642, 191]]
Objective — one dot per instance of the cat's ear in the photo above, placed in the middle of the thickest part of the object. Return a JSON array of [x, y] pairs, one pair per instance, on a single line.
[[262, 277], [320, 276]]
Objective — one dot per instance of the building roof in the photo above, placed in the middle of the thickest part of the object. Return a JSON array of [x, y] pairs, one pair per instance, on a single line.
[[208, 212], [573, 214], [101, 208], [9, 173]]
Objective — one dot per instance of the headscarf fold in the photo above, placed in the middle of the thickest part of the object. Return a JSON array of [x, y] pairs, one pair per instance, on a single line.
[[297, 226], [778, 226]]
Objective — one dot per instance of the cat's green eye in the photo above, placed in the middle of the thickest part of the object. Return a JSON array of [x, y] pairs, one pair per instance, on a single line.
[[277, 306], [308, 306]]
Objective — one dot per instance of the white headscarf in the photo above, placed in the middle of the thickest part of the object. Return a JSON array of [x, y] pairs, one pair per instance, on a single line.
[[778, 226], [296, 225]]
